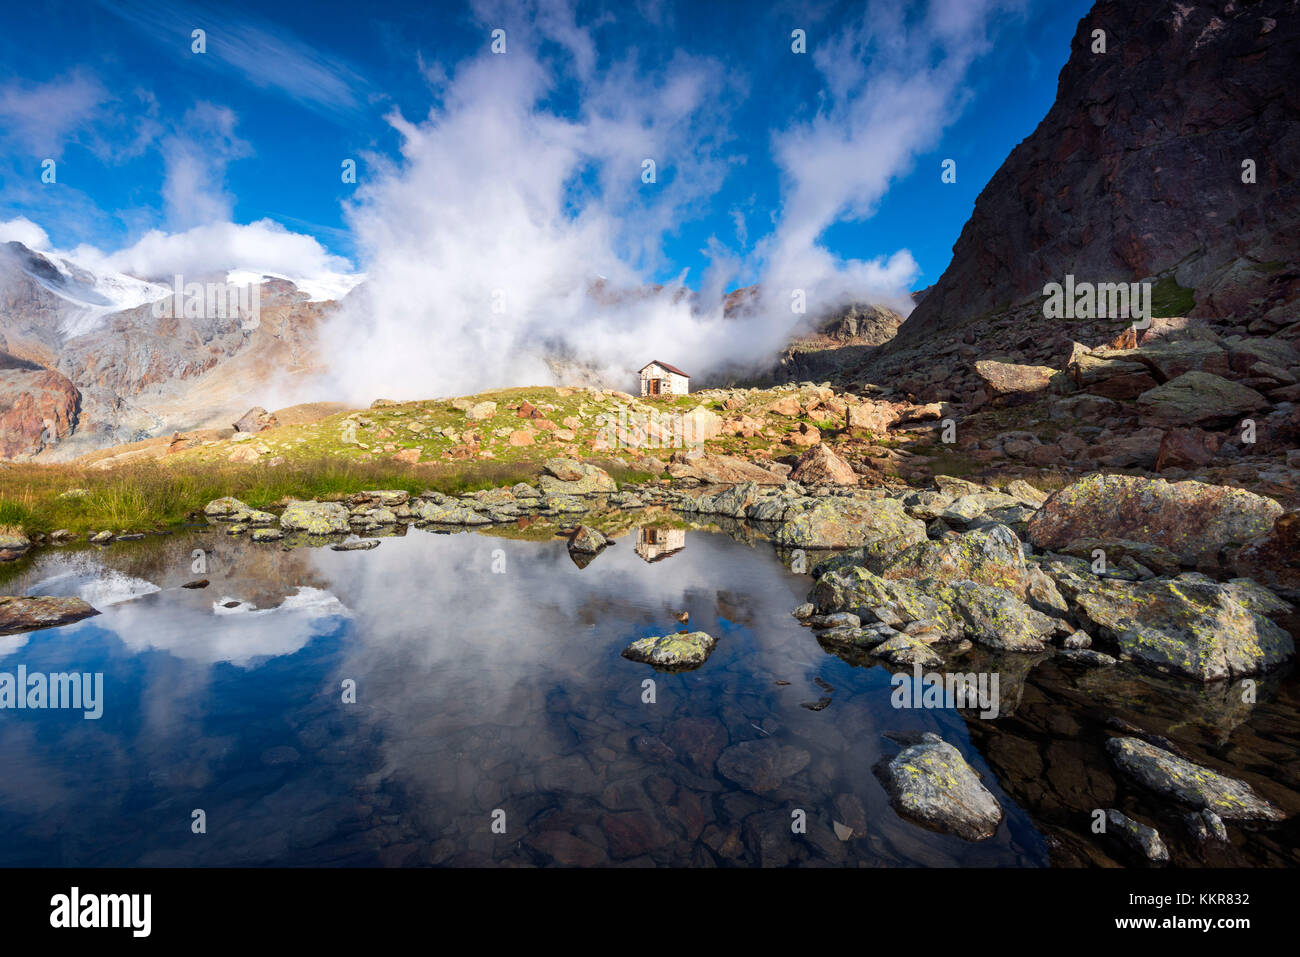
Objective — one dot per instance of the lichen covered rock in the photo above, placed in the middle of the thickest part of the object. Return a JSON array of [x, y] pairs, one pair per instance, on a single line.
[[1192, 520], [1188, 783], [880, 525], [677, 652], [932, 783], [41, 611], [316, 518], [1194, 628]]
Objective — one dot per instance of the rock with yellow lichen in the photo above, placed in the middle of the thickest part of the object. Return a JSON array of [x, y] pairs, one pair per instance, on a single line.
[[1173, 777], [678, 652], [1186, 626], [1192, 520], [931, 782]]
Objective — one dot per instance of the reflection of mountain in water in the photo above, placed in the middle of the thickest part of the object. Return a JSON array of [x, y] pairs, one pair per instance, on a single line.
[[654, 543]]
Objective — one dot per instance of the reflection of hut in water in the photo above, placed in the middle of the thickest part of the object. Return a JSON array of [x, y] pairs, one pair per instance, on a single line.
[[653, 543]]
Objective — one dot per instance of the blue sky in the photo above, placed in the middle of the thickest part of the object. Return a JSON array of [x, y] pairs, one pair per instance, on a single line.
[[148, 135]]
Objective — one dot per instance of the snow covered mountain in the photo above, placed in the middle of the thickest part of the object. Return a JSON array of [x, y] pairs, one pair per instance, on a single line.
[[91, 357]]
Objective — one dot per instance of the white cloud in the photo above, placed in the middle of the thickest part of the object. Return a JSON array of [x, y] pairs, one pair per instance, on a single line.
[[24, 231], [40, 118], [893, 83], [195, 158], [495, 195], [264, 246]]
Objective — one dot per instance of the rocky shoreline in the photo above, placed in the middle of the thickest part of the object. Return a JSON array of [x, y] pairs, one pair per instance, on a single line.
[[1170, 576], [1110, 569]]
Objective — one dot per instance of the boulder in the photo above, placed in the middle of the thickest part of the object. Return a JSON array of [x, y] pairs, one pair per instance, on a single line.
[[587, 540], [882, 525], [446, 512], [932, 783], [1274, 558], [821, 466], [481, 411], [900, 650], [1145, 840], [256, 419], [734, 501], [14, 543], [230, 509], [1191, 784], [571, 477], [678, 652], [723, 470], [317, 518], [1193, 628], [991, 616], [1200, 397], [805, 434], [1186, 449], [1193, 520], [700, 425], [40, 611], [991, 556], [875, 417], [1008, 378]]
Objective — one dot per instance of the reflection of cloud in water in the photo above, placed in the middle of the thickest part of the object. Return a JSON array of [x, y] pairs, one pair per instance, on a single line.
[[95, 584], [12, 643], [81, 576], [458, 664], [211, 633]]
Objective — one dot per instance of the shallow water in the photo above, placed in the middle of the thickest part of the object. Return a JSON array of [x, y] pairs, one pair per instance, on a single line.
[[490, 691]]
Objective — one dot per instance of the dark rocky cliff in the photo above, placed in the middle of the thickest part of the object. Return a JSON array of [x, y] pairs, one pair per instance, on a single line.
[[1136, 172]]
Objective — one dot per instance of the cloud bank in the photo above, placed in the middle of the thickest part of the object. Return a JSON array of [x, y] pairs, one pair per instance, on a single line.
[[482, 242]]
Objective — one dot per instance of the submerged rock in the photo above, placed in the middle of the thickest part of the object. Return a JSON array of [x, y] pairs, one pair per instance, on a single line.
[[678, 652], [1145, 840], [32, 613], [761, 766], [356, 545], [1191, 784], [932, 783]]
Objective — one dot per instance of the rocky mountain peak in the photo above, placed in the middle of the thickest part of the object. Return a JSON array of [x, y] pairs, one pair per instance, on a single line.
[[1142, 169]]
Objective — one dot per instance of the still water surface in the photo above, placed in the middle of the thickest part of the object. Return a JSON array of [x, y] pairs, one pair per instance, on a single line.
[[488, 688]]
